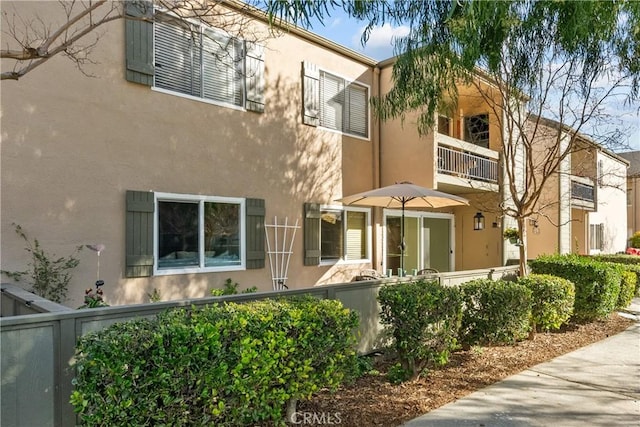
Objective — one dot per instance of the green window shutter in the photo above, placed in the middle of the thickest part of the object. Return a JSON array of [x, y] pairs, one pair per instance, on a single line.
[[311, 234], [255, 212], [254, 77], [139, 234], [311, 93], [139, 41]]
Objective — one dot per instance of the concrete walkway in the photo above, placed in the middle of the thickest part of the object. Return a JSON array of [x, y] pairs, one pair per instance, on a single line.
[[597, 385]]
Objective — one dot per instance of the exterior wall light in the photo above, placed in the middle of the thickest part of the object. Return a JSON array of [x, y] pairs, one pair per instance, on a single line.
[[478, 221]]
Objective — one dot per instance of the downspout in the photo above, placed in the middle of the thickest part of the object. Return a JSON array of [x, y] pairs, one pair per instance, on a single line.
[[376, 156], [375, 146]]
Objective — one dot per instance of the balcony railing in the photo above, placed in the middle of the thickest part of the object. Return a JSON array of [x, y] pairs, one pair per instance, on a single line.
[[581, 191], [467, 165]]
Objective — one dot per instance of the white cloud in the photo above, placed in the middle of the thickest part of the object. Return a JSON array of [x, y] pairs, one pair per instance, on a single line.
[[380, 37], [334, 23]]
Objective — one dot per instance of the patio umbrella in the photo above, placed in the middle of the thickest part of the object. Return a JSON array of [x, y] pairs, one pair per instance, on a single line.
[[404, 195]]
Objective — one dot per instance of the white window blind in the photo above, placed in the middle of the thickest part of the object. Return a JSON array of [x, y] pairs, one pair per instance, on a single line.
[[177, 61], [356, 110], [199, 62], [356, 235], [343, 105]]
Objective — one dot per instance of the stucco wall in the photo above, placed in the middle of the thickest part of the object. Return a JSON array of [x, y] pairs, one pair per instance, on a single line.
[[612, 203], [72, 145]]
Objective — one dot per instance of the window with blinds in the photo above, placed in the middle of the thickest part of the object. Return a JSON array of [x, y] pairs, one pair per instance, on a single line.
[[596, 236], [343, 234], [356, 235], [343, 105], [198, 61]]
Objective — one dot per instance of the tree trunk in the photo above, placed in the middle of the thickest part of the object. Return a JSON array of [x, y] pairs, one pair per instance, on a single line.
[[522, 229], [291, 409]]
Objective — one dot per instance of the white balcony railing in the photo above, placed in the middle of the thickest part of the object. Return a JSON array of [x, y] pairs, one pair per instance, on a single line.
[[465, 160]]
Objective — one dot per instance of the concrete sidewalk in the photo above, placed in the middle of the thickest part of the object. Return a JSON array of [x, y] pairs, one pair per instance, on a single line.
[[597, 385]]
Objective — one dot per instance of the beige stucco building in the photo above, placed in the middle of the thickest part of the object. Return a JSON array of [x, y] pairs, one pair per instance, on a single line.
[[633, 192], [581, 208], [178, 145]]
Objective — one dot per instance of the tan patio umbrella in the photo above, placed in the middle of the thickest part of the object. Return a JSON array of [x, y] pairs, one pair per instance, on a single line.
[[404, 195]]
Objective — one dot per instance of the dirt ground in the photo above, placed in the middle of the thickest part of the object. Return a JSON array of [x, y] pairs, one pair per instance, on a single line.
[[373, 401]]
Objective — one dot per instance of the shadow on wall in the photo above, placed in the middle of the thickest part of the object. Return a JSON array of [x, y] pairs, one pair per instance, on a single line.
[[269, 155]]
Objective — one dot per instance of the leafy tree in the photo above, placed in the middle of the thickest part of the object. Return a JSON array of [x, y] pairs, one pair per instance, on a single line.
[[526, 59]]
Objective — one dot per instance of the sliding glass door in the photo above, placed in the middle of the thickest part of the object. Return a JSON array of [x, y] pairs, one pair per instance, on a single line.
[[428, 239]]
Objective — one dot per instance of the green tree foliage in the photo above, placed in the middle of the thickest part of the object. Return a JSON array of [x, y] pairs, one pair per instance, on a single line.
[[449, 40], [527, 60]]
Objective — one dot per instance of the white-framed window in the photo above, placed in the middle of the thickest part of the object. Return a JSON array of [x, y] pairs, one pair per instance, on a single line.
[[198, 61], [596, 237], [344, 234], [336, 234], [193, 60], [198, 233], [334, 102], [343, 105]]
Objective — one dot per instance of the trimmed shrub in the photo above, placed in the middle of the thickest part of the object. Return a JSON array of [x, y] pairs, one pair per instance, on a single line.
[[424, 318], [617, 258], [627, 288], [635, 269], [552, 300], [635, 240], [494, 312], [228, 364], [597, 284]]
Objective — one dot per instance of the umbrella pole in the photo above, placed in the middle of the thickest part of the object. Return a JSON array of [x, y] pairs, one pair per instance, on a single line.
[[402, 244]]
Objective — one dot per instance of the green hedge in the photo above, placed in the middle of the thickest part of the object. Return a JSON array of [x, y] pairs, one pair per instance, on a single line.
[[494, 312], [628, 288], [552, 300], [424, 318], [617, 258], [597, 284], [635, 269], [228, 364]]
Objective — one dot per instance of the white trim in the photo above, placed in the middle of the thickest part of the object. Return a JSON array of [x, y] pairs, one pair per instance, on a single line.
[[200, 200], [196, 98], [202, 26], [348, 80], [342, 260]]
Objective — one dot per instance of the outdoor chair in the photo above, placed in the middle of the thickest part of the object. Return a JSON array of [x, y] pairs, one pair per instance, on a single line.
[[427, 271], [367, 274]]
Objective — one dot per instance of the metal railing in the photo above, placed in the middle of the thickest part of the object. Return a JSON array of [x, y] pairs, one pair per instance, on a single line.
[[467, 165]]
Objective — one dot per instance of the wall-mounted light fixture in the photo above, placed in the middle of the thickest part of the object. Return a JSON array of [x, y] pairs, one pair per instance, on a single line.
[[534, 224], [478, 221]]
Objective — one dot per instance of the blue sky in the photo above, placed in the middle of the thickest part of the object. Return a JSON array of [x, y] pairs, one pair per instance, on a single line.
[[346, 31]]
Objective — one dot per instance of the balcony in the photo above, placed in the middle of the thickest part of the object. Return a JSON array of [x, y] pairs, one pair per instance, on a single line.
[[465, 167], [583, 193]]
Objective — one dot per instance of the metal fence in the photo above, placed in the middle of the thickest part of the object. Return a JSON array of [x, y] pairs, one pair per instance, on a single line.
[[37, 348]]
